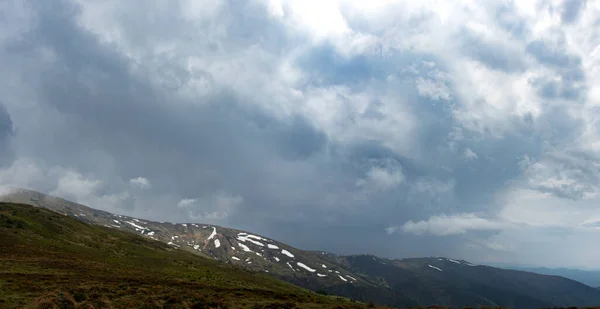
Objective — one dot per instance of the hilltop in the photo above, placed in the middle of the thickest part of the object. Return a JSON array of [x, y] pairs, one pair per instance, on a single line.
[[394, 282], [48, 260]]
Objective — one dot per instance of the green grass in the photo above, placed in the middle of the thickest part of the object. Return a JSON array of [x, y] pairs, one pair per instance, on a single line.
[[48, 260]]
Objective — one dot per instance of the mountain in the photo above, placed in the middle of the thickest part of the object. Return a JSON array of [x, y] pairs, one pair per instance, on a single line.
[[48, 260], [393, 282], [589, 277]]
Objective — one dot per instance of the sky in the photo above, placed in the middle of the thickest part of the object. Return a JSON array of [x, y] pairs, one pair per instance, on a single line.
[[466, 129]]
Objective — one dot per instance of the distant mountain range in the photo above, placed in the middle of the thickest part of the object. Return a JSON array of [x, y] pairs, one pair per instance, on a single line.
[[589, 277], [394, 282]]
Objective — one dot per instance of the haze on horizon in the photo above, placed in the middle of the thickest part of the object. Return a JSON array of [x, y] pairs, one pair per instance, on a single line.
[[397, 128]]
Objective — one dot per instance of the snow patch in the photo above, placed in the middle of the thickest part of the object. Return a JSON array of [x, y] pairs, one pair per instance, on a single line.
[[276, 258], [235, 258], [217, 243], [288, 264], [454, 261], [184, 225], [248, 238], [213, 234], [321, 275], [270, 246], [351, 277], [117, 221], [135, 225], [430, 266], [256, 237], [245, 248], [196, 247], [287, 253], [323, 265], [305, 267], [346, 280], [151, 233], [233, 248]]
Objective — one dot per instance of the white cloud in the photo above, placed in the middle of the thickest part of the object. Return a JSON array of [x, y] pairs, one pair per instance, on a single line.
[[470, 154], [383, 177], [187, 202], [76, 187], [391, 230], [71, 182], [444, 225], [23, 173], [140, 183], [213, 208], [435, 84]]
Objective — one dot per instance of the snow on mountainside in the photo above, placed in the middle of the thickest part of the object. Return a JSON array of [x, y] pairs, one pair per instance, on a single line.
[[395, 282], [241, 248]]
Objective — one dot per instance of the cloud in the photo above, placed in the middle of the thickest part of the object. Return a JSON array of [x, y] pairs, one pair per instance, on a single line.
[[444, 225], [212, 209], [382, 175], [140, 183], [269, 117], [571, 10], [186, 202], [470, 154], [6, 132]]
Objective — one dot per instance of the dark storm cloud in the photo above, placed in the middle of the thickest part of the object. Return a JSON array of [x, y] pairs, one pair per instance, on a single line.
[[114, 112], [185, 149]]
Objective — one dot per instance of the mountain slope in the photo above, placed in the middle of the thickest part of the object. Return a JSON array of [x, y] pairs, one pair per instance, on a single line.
[[460, 283], [589, 277], [48, 260], [401, 282]]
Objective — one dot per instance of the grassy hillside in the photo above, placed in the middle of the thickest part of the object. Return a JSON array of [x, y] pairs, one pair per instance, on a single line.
[[393, 282], [48, 260]]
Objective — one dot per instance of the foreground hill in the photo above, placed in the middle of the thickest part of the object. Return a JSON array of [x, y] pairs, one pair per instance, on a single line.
[[48, 260], [398, 282]]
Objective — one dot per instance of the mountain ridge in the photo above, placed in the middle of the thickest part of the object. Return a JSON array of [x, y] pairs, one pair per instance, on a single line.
[[394, 282], [49, 260]]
